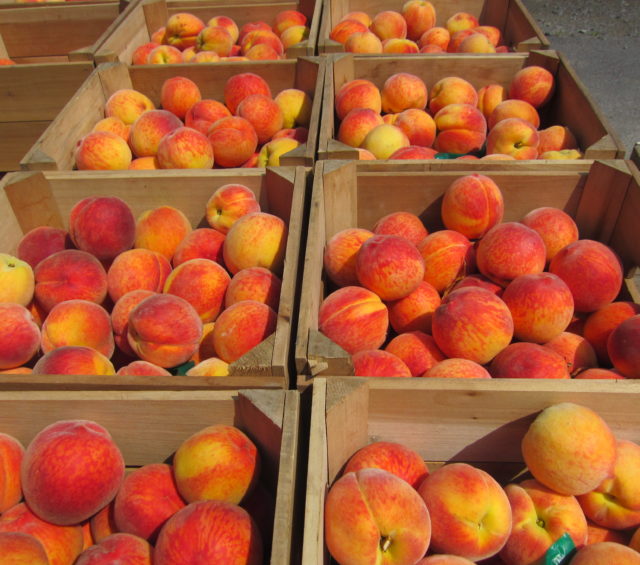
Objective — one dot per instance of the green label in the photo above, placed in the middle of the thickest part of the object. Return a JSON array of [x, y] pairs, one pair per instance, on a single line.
[[561, 552]]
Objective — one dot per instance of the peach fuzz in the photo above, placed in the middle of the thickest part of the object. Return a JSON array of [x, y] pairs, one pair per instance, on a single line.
[[436, 35], [592, 271], [71, 469], [398, 45], [418, 125], [339, 258], [413, 152], [19, 336], [489, 97], [216, 39], [569, 463], [540, 517], [102, 225], [415, 311], [606, 552], [420, 16], [456, 368], [203, 114], [555, 226], [254, 283], [120, 317], [401, 223], [355, 126], [599, 325], [140, 54], [40, 242], [69, 274], [127, 104], [358, 513], [513, 108], [575, 350], [451, 90], [354, 318], [508, 250], [534, 84], [141, 368], [202, 283], [18, 548], [263, 113], [472, 323], [137, 269], [241, 85], [78, 322], [402, 91], [201, 243], [102, 150], [515, 137], [257, 239], [227, 23], [181, 30], [11, 455], [147, 498], [388, 24], [149, 129], [73, 360], [114, 125], [526, 360], [470, 512], [241, 327], [461, 129], [228, 203], [62, 544], [417, 349], [233, 139], [363, 42], [164, 329], [384, 140], [185, 148], [117, 546], [210, 367], [476, 43], [187, 536], [165, 55], [622, 347], [344, 29], [556, 138], [472, 205], [447, 255], [357, 93], [161, 229], [541, 306]]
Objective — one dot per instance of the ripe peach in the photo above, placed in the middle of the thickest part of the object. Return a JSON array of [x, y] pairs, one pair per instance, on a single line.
[[384, 140], [413, 152], [460, 21], [476, 43], [203, 114], [555, 226], [556, 138], [227, 23], [201, 243], [165, 55], [294, 35], [161, 229], [40, 242], [363, 42], [489, 97], [136, 269], [598, 534], [18, 548], [592, 271], [251, 26], [17, 280], [117, 546], [515, 137], [575, 350], [417, 349], [114, 125], [418, 125], [357, 124], [420, 16], [444, 559], [102, 150], [69, 274], [366, 155], [149, 129], [477, 279], [436, 35], [215, 38], [140, 54], [286, 19], [461, 129], [120, 317], [534, 84], [11, 455], [340, 255], [228, 203], [415, 311], [491, 32], [448, 255], [241, 85], [345, 29], [263, 113], [622, 347], [569, 463], [127, 104], [73, 360], [605, 552], [526, 360], [402, 91], [389, 23], [210, 367], [402, 223], [560, 155], [263, 51], [144, 163], [599, 325], [457, 368], [181, 30], [262, 37], [357, 93], [598, 373], [472, 323], [233, 140], [451, 90], [398, 45], [19, 336], [272, 151], [363, 17], [254, 283], [185, 148], [141, 368], [513, 108]]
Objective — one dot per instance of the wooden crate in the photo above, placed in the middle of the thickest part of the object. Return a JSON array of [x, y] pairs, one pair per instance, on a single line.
[[520, 31], [32, 199], [54, 149], [571, 104], [149, 426], [480, 423], [136, 27], [602, 197]]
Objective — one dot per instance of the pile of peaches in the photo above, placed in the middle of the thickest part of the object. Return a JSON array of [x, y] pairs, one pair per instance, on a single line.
[[66, 500], [387, 507], [251, 128], [481, 298], [414, 30], [142, 294], [406, 120], [185, 38]]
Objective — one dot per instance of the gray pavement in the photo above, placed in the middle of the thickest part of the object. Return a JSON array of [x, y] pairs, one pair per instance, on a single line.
[[601, 40]]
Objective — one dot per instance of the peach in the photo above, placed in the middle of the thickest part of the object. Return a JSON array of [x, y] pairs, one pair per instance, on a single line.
[[491, 32], [40, 242], [357, 93], [420, 16], [114, 125], [555, 226], [622, 347], [286, 19], [634, 543], [18, 548], [263, 52], [227, 23], [251, 26], [384, 140], [215, 38], [417, 349], [508, 250], [137, 269], [294, 35], [261, 37], [460, 21], [476, 43], [62, 544], [556, 138], [140, 54], [402, 223], [340, 253], [541, 306], [377, 514], [147, 498], [418, 125], [398, 45], [575, 350], [598, 534], [263, 113], [359, 16], [366, 155], [526, 360], [490, 96], [203, 114], [451, 90], [272, 151], [142, 369], [415, 311], [354, 318], [210, 531], [599, 325], [461, 129], [165, 55], [149, 129], [389, 23], [472, 323], [402, 91], [161, 229], [228, 203], [436, 35], [515, 137], [219, 462], [102, 150], [540, 517], [233, 140], [19, 335], [117, 546], [444, 559], [344, 29], [470, 512], [164, 329], [472, 205], [296, 106], [120, 315], [71, 469], [605, 552], [514, 108], [201, 243], [73, 360], [17, 280], [11, 456], [257, 239], [127, 104], [69, 274], [241, 85], [181, 30], [158, 35], [457, 368], [185, 148], [432, 49], [202, 283], [477, 279], [598, 373], [392, 457], [363, 42], [205, 57], [210, 367], [413, 152], [560, 155], [241, 327], [592, 271], [357, 124], [448, 255], [144, 163], [534, 84], [254, 283], [569, 463], [102, 225]]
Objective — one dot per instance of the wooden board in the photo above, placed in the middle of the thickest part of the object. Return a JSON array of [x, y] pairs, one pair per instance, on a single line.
[[481, 423], [571, 104], [54, 149], [520, 31], [28, 200], [602, 197]]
